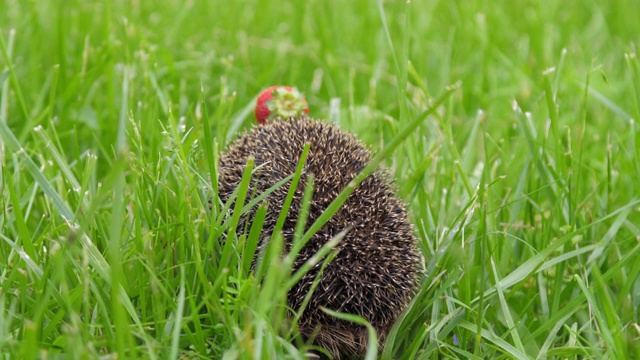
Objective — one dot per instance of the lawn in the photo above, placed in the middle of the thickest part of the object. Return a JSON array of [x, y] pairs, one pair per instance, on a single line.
[[510, 128]]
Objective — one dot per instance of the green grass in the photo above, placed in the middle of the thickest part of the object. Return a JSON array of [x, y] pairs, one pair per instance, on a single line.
[[522, 182]]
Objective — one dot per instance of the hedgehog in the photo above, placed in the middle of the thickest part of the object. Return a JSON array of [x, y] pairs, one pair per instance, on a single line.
[[377, 268]]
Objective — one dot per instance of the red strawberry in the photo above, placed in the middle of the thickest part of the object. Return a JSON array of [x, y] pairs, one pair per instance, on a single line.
[[283, 101]]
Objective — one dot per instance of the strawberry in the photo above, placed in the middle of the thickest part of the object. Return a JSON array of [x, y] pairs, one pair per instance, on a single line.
[[280, 101]]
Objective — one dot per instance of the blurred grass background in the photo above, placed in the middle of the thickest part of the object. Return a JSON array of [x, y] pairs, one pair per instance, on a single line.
[[523, 186]]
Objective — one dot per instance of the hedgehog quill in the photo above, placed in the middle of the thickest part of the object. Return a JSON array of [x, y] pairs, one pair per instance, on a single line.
[[377, 269]]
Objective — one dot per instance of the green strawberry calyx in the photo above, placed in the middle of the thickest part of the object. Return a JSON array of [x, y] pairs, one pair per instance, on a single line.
[[286, 103]]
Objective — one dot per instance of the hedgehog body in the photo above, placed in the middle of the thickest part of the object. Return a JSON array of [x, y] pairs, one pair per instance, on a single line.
[[377, 268]]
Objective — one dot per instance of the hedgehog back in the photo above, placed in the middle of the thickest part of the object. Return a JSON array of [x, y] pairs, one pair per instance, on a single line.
[[376, 271]]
